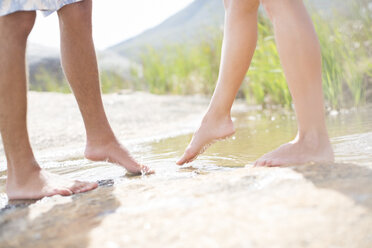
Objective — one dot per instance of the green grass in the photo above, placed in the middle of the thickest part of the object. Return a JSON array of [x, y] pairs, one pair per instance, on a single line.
[[112, 81], [346, 63], [193, 68], [266, 83], [181, 69], [44, 80]]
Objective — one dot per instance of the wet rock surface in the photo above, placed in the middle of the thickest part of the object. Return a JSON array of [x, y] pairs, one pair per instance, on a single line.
[[304, 206], [318, 205]]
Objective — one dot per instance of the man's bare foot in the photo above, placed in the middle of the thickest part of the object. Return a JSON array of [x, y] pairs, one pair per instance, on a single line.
[[312, 147], [36, 183], [210, 130], [114, 152]]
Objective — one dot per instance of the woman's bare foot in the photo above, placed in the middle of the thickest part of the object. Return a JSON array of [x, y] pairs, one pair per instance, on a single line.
[[35, 183], [210, 130], [114, 152], [312, 147]]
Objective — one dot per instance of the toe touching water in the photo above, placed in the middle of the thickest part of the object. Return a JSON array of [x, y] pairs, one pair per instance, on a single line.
[[210, 130]]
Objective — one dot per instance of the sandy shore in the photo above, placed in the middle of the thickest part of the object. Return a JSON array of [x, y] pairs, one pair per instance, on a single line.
[[303, 206]]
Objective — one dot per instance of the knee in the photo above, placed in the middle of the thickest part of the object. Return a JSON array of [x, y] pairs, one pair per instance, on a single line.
[[241, 6], [18, 24], [76, 16]]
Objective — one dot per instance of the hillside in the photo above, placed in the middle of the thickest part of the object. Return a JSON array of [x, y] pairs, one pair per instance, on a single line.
[[187, 24], [190, 24]]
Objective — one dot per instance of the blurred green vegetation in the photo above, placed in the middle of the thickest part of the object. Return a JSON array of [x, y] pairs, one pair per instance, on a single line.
[[112, 81], [46, 80], [49, 81], [182, 69], [346, 42]]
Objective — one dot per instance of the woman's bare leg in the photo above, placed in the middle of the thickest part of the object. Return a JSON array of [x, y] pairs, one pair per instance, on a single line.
[[239, 43], [300, 56], [80, 66]]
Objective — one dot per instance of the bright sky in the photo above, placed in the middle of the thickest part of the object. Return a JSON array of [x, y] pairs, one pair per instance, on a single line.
[[113, 20]]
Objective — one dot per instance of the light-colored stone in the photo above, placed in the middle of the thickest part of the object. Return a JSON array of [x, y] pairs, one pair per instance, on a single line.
[[302, 206]]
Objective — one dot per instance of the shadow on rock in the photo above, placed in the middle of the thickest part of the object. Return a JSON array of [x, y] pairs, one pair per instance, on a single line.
[[354, 181], [57, 221]]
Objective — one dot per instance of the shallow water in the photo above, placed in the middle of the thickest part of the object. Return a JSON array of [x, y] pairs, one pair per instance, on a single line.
[[212, 201], [257, 133]]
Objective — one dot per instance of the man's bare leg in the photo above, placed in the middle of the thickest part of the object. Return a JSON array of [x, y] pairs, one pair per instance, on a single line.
[[80, 66], [26, 180], [239, 43], [300, 56]]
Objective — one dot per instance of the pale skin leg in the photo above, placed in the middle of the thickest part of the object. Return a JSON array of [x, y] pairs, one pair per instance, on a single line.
[[300, 55], [80, 66], [239, 43], [299, 52], [26, 180]]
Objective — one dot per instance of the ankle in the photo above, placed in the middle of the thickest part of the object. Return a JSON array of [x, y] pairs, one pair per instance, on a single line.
[[313, 138], [18, 173], [216, 115], [99, 139], [21, 162]]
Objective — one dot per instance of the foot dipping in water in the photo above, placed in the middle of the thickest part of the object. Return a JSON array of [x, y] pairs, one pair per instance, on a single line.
[[300, 56]]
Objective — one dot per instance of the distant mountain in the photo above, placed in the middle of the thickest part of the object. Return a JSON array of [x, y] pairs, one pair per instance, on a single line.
[[36, 53], [191, 23], [187, 24]]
